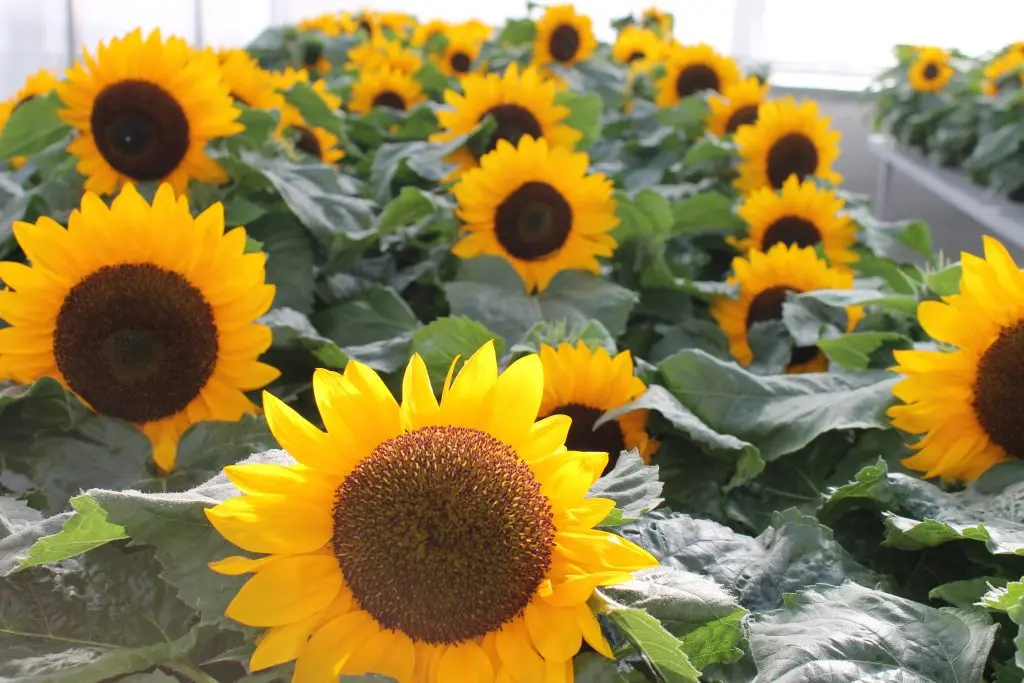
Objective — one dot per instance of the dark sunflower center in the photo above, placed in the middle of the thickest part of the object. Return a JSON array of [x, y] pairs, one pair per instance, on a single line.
[[607, 438], [793, 154], [307, 142], [533, 222], [140, 129], [930, 72], [442, 533], [461, 62], [742, 117], [311, 53], [365, 26], [389, 99], [22, 101], [635, 56], [767, 305], [136, 341], [238, 99], [997, 390], [513, 122], [695, 79], [564, 43], [791, 230]]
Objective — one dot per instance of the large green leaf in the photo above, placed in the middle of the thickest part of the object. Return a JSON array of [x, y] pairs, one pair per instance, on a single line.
[[853, 634], [708, 211], [294, 332], [313, 108], [375, 327], [20, 527], [289, 252], [1010, 600], [592, 333], [488, 290], [584, 115], [780, 414], [633, 486], [442, 341], [33, 127], [660, 649]]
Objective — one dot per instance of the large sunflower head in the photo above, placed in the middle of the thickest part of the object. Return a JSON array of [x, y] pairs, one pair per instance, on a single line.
[[535, 206], [764, 279], [40, 83], [801, 214], [248, 82], [1005, 71], [145, 109], [788, 139], [459, 55], [654, 18], [691, 69], [379, 52], [385, 88], [585, 385], [639, 47], [522, 103], [429, 541], [736, 106], [964, 400], [930, 71], [144, 312], [563, 37]]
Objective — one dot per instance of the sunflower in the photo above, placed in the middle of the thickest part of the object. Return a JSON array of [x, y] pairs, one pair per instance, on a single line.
[[145, 109], [331, 24], [249, 84], [287, 79], [385, 88], [40, 83], [522, 103], [379, 52], [764, 279], [536, 207], [563, 37], [459, 55], [654, 18], [800, 214], [424, 33], [585, 385], [317, 142], [639, 47], [1006, 70], [398, 24], [145, 313], [432, 542], [690, 69], [787, 139], [736, 106], [931, 71], [476, 29]]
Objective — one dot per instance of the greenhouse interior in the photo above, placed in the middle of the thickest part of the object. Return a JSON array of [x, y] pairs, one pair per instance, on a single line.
[[511, 342]]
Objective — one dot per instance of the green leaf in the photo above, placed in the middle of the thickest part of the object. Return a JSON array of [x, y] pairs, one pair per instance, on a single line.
[[853, 351], [708, 211], [88, 528], [489, 290], [289, 251], [689, 116], [518, 32], [1008, 598], [241, 211], [292, 331], [20, 528], [702, 614], [584, 115], [411, 206], [851, 633], [440, 342], [425, 159], [657, 209], [966, 593], [946, 281], [708, 148], [259, 124], [375, 327], [633, 486], [590, 667], [314, 110], [842, 298], [592, 333], [780, 414], [796, 551], [661, 650], [33, 127]]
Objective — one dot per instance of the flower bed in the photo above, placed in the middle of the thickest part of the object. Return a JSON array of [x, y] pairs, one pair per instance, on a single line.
[[536, 360]]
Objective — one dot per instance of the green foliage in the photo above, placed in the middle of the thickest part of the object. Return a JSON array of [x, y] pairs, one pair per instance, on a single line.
[[33, 127]]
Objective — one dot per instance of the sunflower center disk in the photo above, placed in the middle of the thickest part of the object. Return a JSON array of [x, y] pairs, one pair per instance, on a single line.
[[311, 53], [741, 117], [931, 71], [791, 230], [997, 390], [607, 438], [136, 341], [460, 62], [793, 154], [140, 129], [307, 142], [533, 222], [513, 122], [635, 56], [443, 533], [768, 306], [564, 43], [696, 78], [389, 99]]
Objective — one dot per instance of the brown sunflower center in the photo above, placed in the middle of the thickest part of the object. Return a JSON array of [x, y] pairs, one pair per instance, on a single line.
[[767, 305], [793, 154], [696, 78], [741, 117], [533, 222], [791, 230], [513, 122], [307, 142], [364, 25], [391, 99], [564, 43], [140, 129], [460, 62], [582, 436], [443, 533], [635, 56], [311, 53], [997, 390], [930, 72], [137, 342]]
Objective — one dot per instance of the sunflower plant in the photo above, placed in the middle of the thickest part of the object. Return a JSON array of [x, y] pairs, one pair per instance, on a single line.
[[441, 352]]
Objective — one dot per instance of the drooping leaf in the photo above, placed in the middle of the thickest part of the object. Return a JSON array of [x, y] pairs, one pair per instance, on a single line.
[[86, 529]]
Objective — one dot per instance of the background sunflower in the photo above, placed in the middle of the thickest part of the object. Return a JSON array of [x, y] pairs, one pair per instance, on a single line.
[[736, 106], [931, 71], [639, 47], [385, 88], [563, 37], [459, 56], [42, 82], [690, 69]]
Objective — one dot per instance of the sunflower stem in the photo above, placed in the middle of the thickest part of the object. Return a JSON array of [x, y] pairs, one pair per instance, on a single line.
[[194, 673]]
